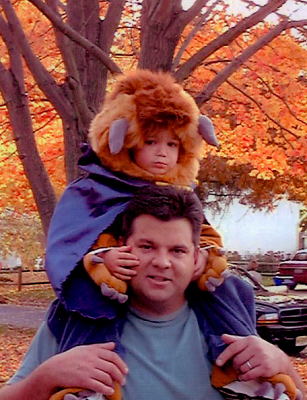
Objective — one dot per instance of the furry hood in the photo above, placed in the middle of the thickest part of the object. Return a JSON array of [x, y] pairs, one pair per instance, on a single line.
[[149, 101]]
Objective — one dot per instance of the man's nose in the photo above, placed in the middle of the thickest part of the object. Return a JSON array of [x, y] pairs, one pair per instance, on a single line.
[[161, 260]]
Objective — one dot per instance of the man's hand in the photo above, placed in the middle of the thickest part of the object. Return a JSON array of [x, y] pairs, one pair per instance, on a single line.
[[253, 357], [94, 367], [120, 262]]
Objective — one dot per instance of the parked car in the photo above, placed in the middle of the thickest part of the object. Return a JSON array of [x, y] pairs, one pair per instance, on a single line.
[[294, 271], [281, 318]]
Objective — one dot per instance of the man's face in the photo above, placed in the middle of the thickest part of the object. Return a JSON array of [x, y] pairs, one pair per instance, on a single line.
[[167, 263]]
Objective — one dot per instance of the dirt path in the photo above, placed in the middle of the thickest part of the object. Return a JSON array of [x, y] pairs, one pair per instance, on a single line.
[[20, 316]]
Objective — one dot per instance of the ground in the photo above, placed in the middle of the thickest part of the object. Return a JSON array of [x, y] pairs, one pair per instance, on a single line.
[[15, 341]]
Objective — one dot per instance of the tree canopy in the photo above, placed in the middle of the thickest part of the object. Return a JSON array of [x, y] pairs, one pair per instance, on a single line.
[[248, 73]]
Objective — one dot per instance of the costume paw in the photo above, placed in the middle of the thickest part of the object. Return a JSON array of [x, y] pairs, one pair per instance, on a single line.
[[84, 395], [113, 294], [71, 396], [213, 283], [226, 274], [266, 388], [253, 389]]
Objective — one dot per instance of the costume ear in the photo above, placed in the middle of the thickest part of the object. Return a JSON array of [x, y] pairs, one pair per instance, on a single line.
[[206, 130], [117, 135]]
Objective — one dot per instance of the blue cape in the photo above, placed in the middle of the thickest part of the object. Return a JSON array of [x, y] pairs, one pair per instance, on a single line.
[[87, 208]]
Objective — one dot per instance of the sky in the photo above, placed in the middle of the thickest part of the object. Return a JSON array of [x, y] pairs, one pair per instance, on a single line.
[[245, 231], [236, 6]]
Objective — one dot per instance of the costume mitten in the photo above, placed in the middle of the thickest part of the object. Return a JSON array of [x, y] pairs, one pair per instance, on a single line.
[[94, 264], [216, 269], [280, 386]]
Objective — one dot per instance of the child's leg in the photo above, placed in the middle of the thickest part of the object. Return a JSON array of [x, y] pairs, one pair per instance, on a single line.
[[216, 269], [111, 286]]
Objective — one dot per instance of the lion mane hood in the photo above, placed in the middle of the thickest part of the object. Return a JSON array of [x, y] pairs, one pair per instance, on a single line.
[[149, 101]]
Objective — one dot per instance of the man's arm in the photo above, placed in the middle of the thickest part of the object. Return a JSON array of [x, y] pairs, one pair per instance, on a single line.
[[94, 367], [253, 358]]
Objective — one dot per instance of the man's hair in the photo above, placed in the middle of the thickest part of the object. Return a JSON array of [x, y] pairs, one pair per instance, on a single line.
[[165, 203]]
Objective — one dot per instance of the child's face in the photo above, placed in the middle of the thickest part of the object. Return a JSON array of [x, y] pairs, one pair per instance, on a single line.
[[159, 154]]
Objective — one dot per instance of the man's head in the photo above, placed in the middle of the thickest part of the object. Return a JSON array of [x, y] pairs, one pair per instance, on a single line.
[[165, 203], [162, 227]]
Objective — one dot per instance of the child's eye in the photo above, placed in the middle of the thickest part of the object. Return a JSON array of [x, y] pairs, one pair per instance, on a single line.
[[149, 142], [173, 144]]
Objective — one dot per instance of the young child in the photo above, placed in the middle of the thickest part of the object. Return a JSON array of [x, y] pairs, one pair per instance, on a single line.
[[150, 130]]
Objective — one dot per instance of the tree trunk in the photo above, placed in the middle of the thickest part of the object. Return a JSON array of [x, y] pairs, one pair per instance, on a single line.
[[160, 32], [18, 107]]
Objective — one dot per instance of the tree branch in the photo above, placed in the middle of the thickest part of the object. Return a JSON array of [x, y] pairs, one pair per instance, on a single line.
[[264, 112], [74, 80], [282, 99], [242, 58], [196, 8], [42, 76], [76, 37], [227, 37], [111, 21], [191, 34]]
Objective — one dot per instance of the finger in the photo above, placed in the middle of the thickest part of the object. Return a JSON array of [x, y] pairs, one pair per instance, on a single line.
[[122, 277], [125, 249], [128, 263], [236, 345], [253, 373], [128, 257], [126, 271], [107, 372], [100, 387], [107, 345], [228, 339], [109, 355], [245, 363]]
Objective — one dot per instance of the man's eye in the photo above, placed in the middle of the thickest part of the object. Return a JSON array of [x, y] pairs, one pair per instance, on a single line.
[[179, 251], [145, 246]]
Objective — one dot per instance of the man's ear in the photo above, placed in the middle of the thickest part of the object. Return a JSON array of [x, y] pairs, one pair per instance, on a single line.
[[200, 260]]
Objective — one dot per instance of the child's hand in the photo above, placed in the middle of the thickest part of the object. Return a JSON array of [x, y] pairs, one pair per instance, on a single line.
[[119, 261]]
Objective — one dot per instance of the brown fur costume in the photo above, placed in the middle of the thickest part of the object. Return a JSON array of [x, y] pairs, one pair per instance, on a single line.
[[150, 102]]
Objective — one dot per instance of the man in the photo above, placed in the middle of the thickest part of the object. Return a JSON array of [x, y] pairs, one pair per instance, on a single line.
[[170, 332]]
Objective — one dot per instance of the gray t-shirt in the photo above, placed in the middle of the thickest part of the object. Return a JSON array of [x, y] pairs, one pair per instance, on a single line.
[[166, 356]]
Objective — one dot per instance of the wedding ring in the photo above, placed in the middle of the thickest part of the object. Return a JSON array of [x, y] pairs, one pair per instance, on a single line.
[[249, 365]]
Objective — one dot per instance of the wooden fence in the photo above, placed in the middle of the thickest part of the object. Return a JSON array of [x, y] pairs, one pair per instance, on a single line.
[[20, 280], [18, 277]]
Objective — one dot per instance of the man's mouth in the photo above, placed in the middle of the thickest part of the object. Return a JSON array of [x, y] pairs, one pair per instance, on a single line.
[[158, 278]]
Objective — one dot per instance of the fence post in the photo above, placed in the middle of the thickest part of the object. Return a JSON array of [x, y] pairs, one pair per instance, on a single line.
[[19, 278]]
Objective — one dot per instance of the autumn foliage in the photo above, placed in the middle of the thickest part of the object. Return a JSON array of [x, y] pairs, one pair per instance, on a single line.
[[248, 76]]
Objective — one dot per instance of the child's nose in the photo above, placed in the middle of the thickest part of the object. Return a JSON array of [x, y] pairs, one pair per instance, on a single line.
[[162, 149]]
